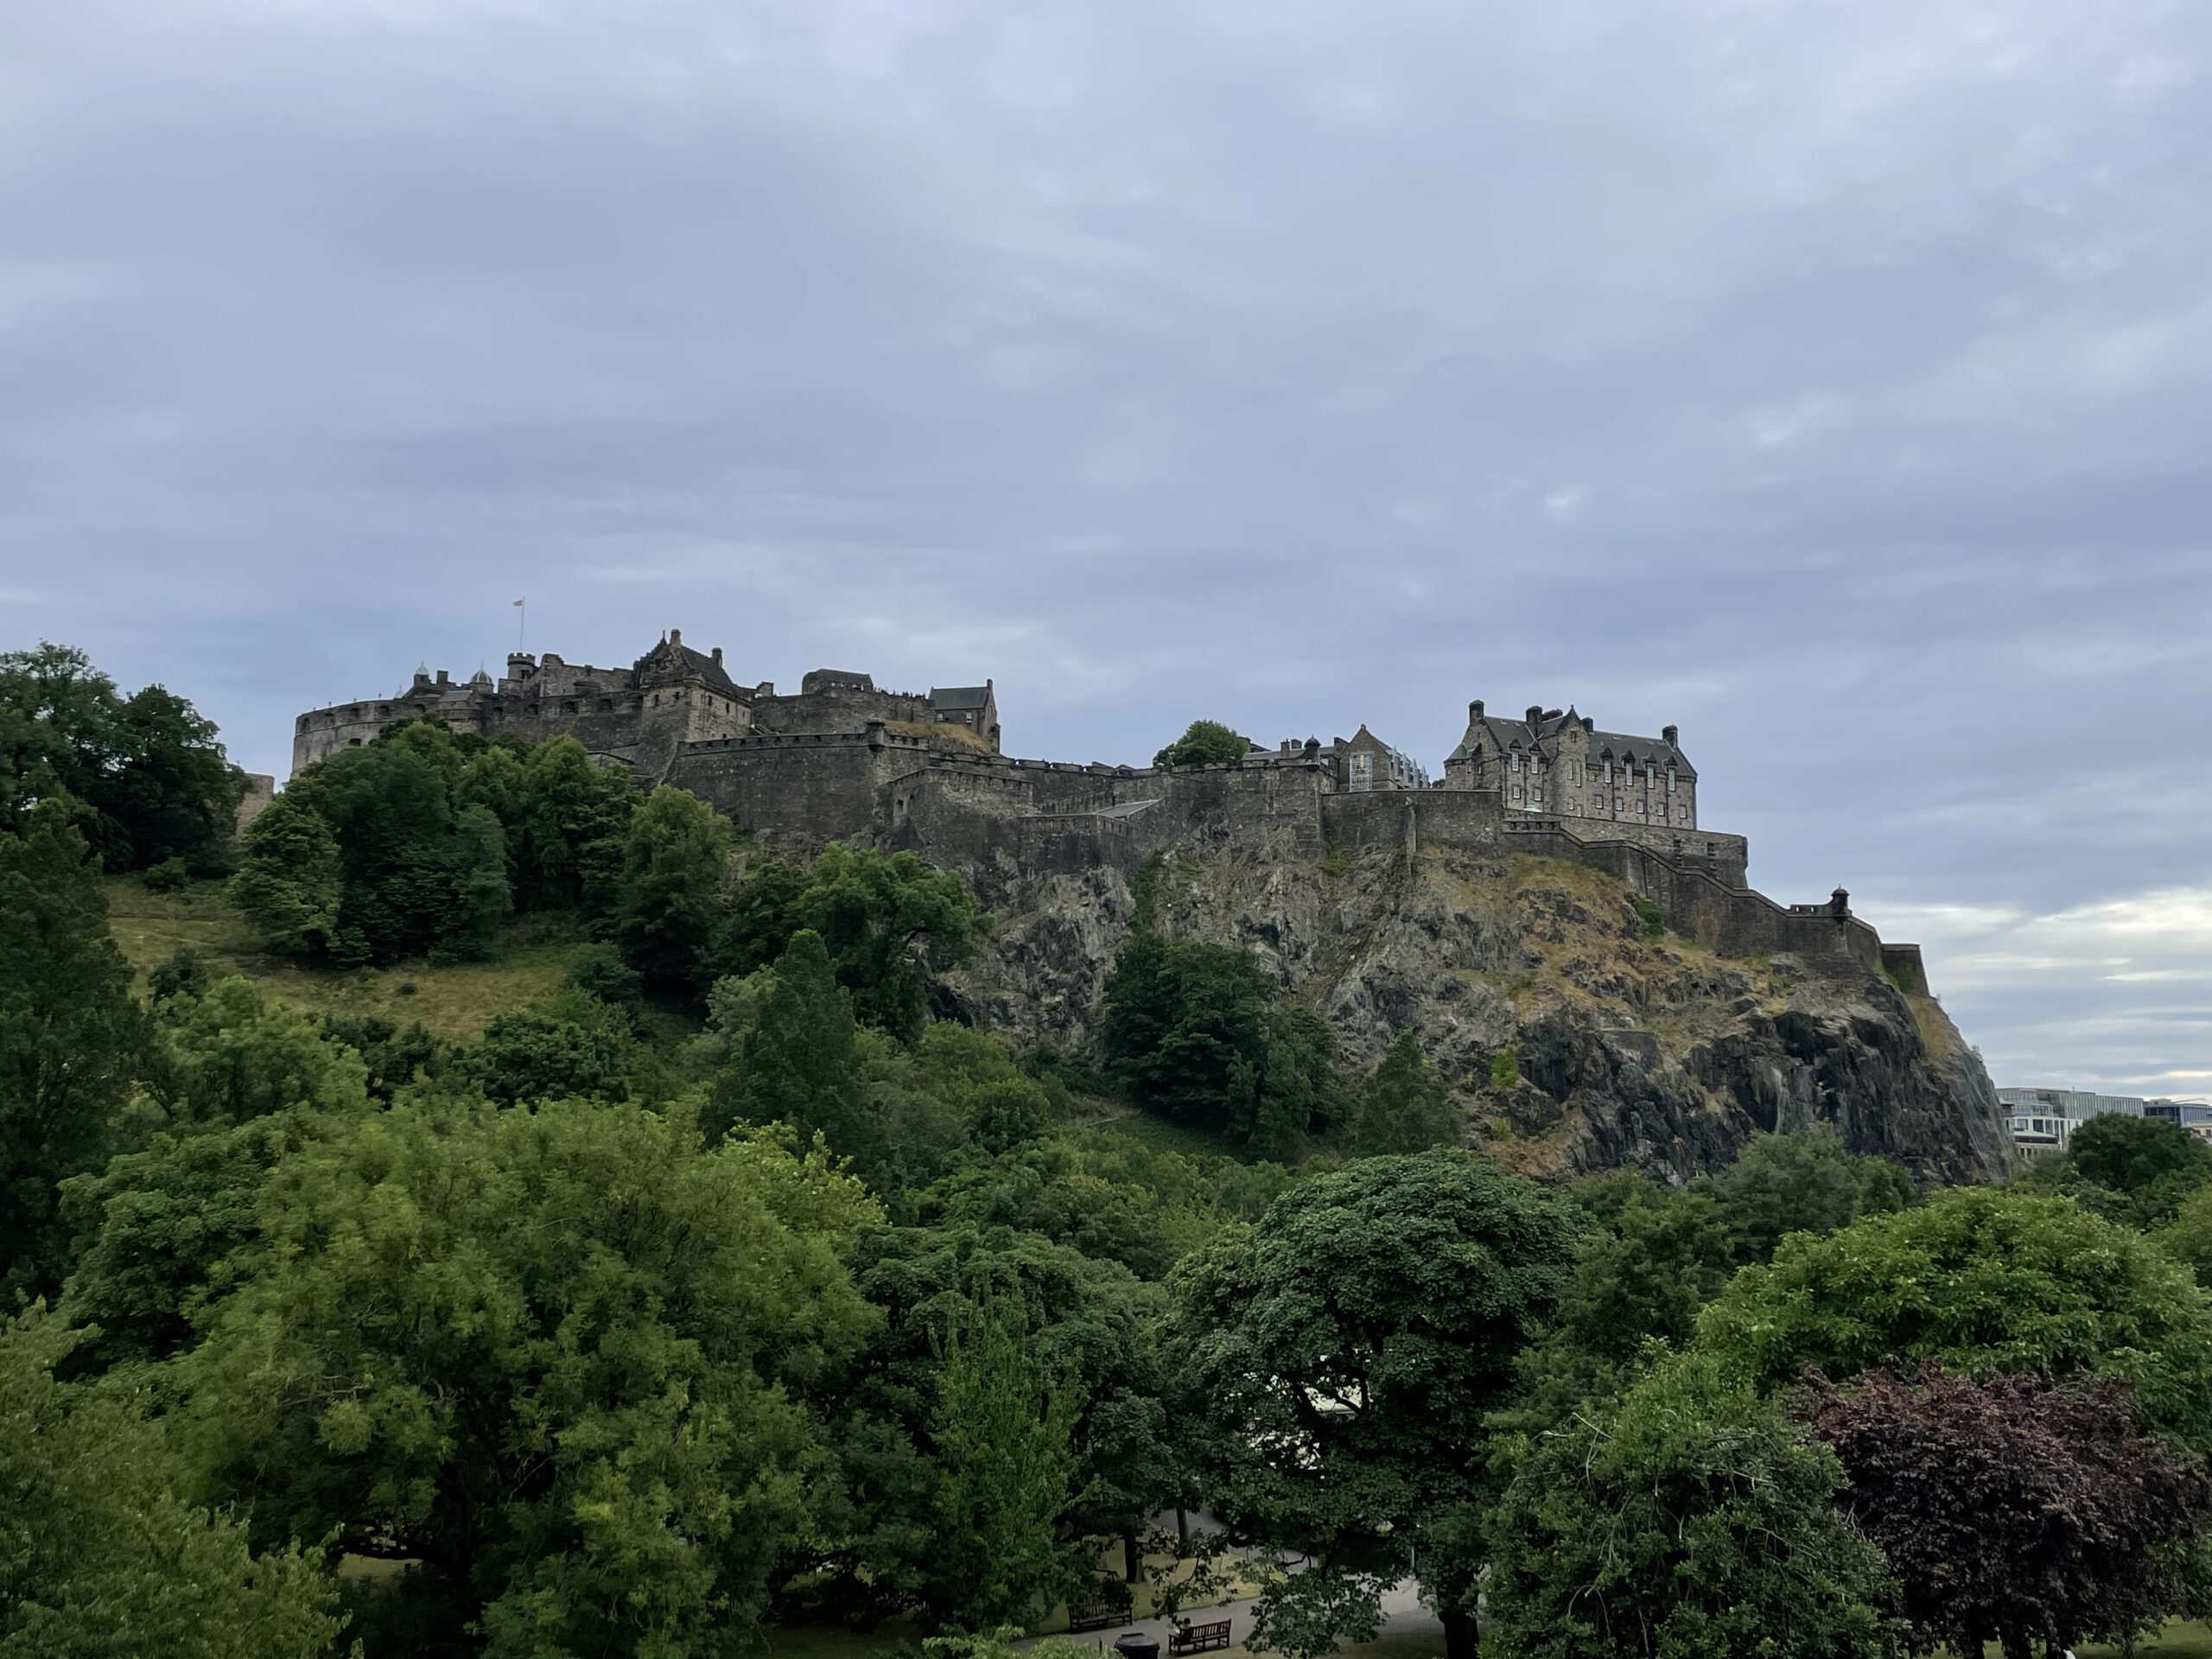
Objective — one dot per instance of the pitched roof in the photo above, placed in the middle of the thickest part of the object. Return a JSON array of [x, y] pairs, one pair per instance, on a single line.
[[1544, 736], [959, 696], [689, 664]]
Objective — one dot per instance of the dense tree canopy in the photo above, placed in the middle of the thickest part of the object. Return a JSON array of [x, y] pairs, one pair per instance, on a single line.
[[1341, 1358], [101, 1558], [72, 1042], [1989, 1282], [1192, 1031], [1204, 742], [1404, 1105], [547, 1352], [147, 766], [890, 924], [1686, 1520], [2015, 1510]]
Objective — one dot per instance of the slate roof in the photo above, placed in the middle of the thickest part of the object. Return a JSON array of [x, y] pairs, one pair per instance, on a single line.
[[1505, 732], [960, 696], [691, 664]]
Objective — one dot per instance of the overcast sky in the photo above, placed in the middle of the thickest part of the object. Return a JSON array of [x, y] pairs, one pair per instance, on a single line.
[[1832, 380]]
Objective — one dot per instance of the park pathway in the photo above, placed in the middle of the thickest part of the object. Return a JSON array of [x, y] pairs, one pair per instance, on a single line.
[[1402, 1615]]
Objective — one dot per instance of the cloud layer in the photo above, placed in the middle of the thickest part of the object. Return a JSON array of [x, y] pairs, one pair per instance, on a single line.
[[1830, 381]]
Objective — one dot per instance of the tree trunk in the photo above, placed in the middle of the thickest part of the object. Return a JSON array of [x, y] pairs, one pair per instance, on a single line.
[[1132, 1563], [1461, 1640], [2016, 1645], [1182, 1526]]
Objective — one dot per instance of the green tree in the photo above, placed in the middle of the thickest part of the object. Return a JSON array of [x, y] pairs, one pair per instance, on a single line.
[[1807, 1183], [1644, 1280], [1687, 1520], [291, 879], [164, 1233], [1204, 742], [1989, 1282], [98, 1556], [891, 923], [147, 766], [235, 1053], [548, 1353], [481, 898], [568, 1046], [915, 1453], [2153, 1165], [72, 1042], [1341, 1358], [1183, 1027], [1005, 1455], [794, 1058], [567, 827], [1404, 1105], [675, 858]]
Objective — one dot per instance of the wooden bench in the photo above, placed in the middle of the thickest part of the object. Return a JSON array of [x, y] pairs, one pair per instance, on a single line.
[[1097, 1614], [1199, 1638]]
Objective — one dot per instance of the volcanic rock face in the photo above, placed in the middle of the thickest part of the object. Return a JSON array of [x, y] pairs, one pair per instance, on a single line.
[[1647, 1052]]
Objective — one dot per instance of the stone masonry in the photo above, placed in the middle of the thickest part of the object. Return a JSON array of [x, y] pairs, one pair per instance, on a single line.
[[843, 761]]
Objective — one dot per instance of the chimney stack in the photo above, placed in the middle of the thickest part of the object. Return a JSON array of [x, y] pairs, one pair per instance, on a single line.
[[1475, 710], [676, 636], [716, 653], [1535, 714], [1672, 734]]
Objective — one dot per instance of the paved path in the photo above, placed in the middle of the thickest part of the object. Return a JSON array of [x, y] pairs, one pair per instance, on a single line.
[[1402, 1615]]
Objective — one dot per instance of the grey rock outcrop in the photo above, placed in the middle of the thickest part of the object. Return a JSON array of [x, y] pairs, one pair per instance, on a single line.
[[1632, 1051]]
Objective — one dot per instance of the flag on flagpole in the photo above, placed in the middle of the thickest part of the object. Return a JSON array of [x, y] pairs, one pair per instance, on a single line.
[[517, 602]]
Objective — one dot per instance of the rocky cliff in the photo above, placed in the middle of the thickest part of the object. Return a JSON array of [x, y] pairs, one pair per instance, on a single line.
[[1632, 1048]]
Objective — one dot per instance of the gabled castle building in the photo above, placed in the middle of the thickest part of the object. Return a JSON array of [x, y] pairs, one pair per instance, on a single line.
[[1557, 762], [842, 759]]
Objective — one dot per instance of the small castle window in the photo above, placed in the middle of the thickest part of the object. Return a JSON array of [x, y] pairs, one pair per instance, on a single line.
[[568, 707], [1516, 792], [1670, 780]]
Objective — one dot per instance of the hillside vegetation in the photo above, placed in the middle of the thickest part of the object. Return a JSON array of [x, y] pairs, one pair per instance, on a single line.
[[715, 1253]]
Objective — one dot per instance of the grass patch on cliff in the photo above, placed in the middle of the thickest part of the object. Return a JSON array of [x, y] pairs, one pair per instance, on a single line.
[[454, 1000], [1938, 1034]]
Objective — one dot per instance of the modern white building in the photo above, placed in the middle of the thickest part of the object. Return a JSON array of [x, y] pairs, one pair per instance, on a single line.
[[2044, 1119]]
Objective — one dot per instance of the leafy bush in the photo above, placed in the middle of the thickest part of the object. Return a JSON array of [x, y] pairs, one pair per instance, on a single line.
[[1505, 1069], [1204, 742], [170, 875]]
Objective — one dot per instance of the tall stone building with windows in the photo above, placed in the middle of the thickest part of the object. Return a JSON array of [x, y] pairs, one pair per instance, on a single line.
[[1557, 764]]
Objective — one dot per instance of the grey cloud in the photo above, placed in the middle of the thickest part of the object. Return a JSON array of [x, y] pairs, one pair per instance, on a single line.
[[1829, 380]]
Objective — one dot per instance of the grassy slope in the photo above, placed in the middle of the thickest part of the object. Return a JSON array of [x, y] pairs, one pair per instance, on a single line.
[[454, 1001]]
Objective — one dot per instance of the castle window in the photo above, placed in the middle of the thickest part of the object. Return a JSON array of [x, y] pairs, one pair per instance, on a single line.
[[1670, 780], [569, 707], [1535, 798], [1617, 803], [1516, 792]]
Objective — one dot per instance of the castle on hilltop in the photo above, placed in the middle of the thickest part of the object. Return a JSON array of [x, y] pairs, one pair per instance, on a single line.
[[840, 760], [643, 715]]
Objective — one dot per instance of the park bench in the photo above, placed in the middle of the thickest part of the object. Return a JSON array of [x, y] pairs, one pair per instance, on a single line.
[[1199, 1638], [1098, 1613]]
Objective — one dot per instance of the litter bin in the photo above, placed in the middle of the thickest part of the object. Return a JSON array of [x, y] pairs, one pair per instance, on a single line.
[[1135, 1644]]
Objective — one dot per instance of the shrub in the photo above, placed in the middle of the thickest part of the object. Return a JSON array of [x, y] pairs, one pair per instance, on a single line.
[[1505, 1069], [170, 875], [1655, 923]]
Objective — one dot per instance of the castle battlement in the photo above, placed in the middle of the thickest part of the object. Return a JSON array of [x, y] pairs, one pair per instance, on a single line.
[[842, 760]]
